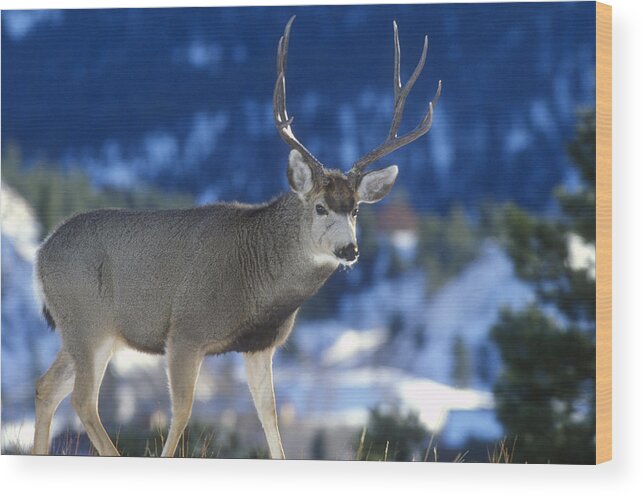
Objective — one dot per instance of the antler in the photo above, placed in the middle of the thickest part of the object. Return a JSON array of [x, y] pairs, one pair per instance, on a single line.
[[282, 120], [393, 141]]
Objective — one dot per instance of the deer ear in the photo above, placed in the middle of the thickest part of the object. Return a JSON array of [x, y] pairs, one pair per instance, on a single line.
[[300, 176], [376, 185]]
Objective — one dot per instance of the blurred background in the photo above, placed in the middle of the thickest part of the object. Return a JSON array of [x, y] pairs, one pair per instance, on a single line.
[[466, 332]]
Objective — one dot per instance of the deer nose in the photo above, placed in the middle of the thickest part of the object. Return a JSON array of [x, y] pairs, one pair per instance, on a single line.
[[348, 252]]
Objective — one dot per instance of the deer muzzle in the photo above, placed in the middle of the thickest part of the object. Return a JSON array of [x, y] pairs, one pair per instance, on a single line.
[[349, 253]]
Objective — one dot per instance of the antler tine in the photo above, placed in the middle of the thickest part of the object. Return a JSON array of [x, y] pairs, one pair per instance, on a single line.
[[279, 94], [401, 92], [282, 121], [397, 81]]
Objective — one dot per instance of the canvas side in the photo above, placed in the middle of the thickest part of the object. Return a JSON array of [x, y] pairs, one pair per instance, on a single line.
[[603, 232]]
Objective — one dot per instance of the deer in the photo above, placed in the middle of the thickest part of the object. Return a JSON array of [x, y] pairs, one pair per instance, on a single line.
[[207, 280]]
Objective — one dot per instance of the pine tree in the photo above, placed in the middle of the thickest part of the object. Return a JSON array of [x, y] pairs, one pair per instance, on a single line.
[[446, 245], [391, 435], [56, 193], [545, 395]]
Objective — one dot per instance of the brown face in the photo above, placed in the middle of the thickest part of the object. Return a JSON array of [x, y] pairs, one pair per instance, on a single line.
[[335, 215], [338, 193], [333, 202]]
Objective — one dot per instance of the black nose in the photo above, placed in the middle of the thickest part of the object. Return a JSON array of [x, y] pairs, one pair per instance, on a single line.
[[348, 253]]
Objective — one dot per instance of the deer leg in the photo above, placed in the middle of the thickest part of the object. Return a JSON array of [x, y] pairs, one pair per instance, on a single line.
[[90, 369], [183, 371], [51, 389], [259, 376]]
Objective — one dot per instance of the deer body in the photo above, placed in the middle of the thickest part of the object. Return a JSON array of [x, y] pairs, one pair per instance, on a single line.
[[194, 282], [197, 273]]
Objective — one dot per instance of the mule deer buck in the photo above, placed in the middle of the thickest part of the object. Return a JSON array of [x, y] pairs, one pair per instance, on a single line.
[[204, 281]]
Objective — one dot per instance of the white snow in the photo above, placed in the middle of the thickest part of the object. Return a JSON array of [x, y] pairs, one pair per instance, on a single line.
[[351, 344], [582, 255], [18, 435], [433, 400], [18, 223], [467, 307]]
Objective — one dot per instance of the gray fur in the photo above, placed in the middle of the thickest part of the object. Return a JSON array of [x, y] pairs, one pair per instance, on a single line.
[[224, 276]]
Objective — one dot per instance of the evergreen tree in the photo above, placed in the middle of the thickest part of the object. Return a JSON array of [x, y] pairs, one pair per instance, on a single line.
[[392, 436], [56, 194], [446, 245], [545, 395]]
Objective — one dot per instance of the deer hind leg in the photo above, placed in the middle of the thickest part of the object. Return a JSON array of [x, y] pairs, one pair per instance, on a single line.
[[90, 369], [54, 386], [259, 376], [183, 364]]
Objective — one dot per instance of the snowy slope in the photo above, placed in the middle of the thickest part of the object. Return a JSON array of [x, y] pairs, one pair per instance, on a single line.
[[466, 308]]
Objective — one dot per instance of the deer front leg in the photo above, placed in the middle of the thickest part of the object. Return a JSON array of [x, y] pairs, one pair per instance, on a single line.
[[184, 363], [259, 376], [90, 365]]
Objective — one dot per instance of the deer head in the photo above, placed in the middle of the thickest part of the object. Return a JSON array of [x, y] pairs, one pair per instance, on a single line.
[[330, 197]]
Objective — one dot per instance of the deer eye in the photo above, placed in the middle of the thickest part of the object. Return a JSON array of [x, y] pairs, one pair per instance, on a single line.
[[320, 210], [355, 212]]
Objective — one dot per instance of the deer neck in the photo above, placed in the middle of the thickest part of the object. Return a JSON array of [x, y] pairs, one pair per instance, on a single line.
[[292, 260]]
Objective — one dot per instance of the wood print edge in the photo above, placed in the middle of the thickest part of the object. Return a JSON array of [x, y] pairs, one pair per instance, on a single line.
[[603, 232]]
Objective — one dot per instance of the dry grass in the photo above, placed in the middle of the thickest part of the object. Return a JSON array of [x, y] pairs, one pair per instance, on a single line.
[[501, 452], [430, 454], [75, 443], [189, 447]]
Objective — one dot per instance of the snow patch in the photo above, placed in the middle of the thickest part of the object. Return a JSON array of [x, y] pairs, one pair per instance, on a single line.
[[582, 255], [18, 436], [353, 343], [433, 400], [19, 222]]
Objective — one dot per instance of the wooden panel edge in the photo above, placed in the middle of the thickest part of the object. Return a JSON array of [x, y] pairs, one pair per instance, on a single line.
[[603, 232]]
